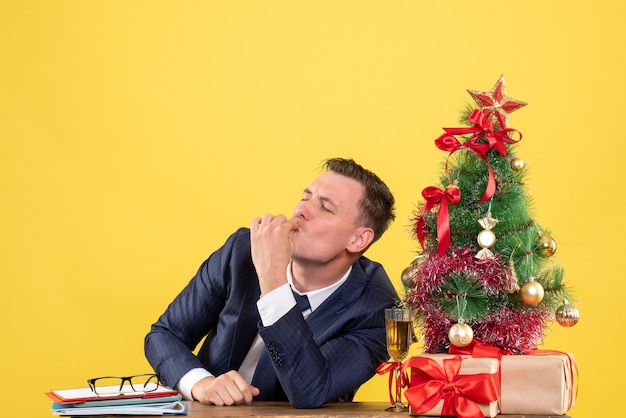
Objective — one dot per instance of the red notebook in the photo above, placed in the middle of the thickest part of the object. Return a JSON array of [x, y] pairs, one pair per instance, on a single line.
[[80, 395]]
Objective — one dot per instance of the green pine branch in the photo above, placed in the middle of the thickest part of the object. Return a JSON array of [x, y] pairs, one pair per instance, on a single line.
[[463, 297]]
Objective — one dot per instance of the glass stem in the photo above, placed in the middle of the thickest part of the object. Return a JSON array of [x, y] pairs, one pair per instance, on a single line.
[[398, 386]]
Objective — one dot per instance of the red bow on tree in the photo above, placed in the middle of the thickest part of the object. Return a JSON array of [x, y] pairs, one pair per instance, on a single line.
[[435, 196], [481, 130], [484, 130]]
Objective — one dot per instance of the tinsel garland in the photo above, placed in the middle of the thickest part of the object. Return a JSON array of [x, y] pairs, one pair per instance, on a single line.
[[503, 325]]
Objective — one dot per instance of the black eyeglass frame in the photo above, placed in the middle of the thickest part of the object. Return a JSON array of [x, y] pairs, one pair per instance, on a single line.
[[124, 379]]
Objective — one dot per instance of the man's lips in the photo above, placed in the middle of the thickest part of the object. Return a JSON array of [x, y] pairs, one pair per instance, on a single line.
[[298, 225]]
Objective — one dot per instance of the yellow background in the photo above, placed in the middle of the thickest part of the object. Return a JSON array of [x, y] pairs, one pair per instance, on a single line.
[[136, 135]]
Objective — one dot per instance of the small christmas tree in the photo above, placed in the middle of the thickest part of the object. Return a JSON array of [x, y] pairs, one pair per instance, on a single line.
[[485, 269]]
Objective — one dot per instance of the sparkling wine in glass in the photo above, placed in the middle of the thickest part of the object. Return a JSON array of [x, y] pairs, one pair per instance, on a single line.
[[399, 328]]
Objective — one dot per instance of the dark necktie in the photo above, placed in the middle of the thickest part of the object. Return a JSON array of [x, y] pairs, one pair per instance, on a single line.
[[264, 375], [302, 302]]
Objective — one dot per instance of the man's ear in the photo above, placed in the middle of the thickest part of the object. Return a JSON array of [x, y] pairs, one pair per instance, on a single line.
[[362, 238]]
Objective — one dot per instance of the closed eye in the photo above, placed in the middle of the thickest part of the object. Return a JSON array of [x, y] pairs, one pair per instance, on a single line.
[[326, 204], [306, 195]]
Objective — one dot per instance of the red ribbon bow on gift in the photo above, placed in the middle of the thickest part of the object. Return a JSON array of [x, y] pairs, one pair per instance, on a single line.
[[402, 380], [460, 393], [435, 196], [481, 130]]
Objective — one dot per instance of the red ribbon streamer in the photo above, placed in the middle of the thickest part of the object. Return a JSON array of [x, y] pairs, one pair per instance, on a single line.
[[435, 196], [402, 381], [481, 130], [460, 393]]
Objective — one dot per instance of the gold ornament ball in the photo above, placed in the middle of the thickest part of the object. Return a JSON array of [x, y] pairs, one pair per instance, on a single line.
[[517, 164], [567, 315], [547, 245], [486, 238], [461, 335], [409, 275], [532, 292]]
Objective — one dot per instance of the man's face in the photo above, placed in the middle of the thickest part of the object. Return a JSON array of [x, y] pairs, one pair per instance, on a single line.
[[326, 217]]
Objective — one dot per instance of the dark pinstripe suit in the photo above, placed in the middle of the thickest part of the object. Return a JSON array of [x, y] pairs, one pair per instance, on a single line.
[[319, 360]]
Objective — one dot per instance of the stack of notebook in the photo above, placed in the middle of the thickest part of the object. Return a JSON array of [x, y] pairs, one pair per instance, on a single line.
[[83, 401]]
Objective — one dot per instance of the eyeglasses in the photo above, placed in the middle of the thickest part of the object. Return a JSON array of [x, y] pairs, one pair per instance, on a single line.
[[122, 385]]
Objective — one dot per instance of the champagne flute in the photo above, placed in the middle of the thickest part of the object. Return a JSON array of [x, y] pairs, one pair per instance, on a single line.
[[399, 328]]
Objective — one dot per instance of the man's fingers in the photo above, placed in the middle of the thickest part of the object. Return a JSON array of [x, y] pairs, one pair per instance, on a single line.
[[242, 393], [238, 390], [225, 390], [267, 220], [255, 223]]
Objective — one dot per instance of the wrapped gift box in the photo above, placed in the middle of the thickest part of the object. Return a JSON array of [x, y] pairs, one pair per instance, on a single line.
[[484, 368], [540, 384]]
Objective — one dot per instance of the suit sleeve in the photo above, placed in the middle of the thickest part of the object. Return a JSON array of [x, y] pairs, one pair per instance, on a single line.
[[190, 317]]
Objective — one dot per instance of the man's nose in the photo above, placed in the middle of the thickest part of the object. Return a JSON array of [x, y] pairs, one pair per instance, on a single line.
[[303, 210]]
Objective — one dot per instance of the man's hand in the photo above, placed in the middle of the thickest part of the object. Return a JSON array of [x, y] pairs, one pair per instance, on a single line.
[[227, 389], [272, 248]]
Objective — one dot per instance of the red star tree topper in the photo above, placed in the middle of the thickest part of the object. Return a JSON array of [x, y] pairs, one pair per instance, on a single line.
[[495, 104]]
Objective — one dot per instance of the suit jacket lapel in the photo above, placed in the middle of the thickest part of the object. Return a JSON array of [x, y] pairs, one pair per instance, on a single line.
[[247, 328], [337, 303]]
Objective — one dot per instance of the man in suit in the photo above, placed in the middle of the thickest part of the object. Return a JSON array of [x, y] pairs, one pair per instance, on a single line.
[[263, 344]]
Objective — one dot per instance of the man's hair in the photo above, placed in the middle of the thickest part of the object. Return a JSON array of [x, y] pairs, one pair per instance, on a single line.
[[377, 210]]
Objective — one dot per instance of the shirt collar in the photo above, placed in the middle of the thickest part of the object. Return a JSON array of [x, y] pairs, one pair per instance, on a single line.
[[318, 296]]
